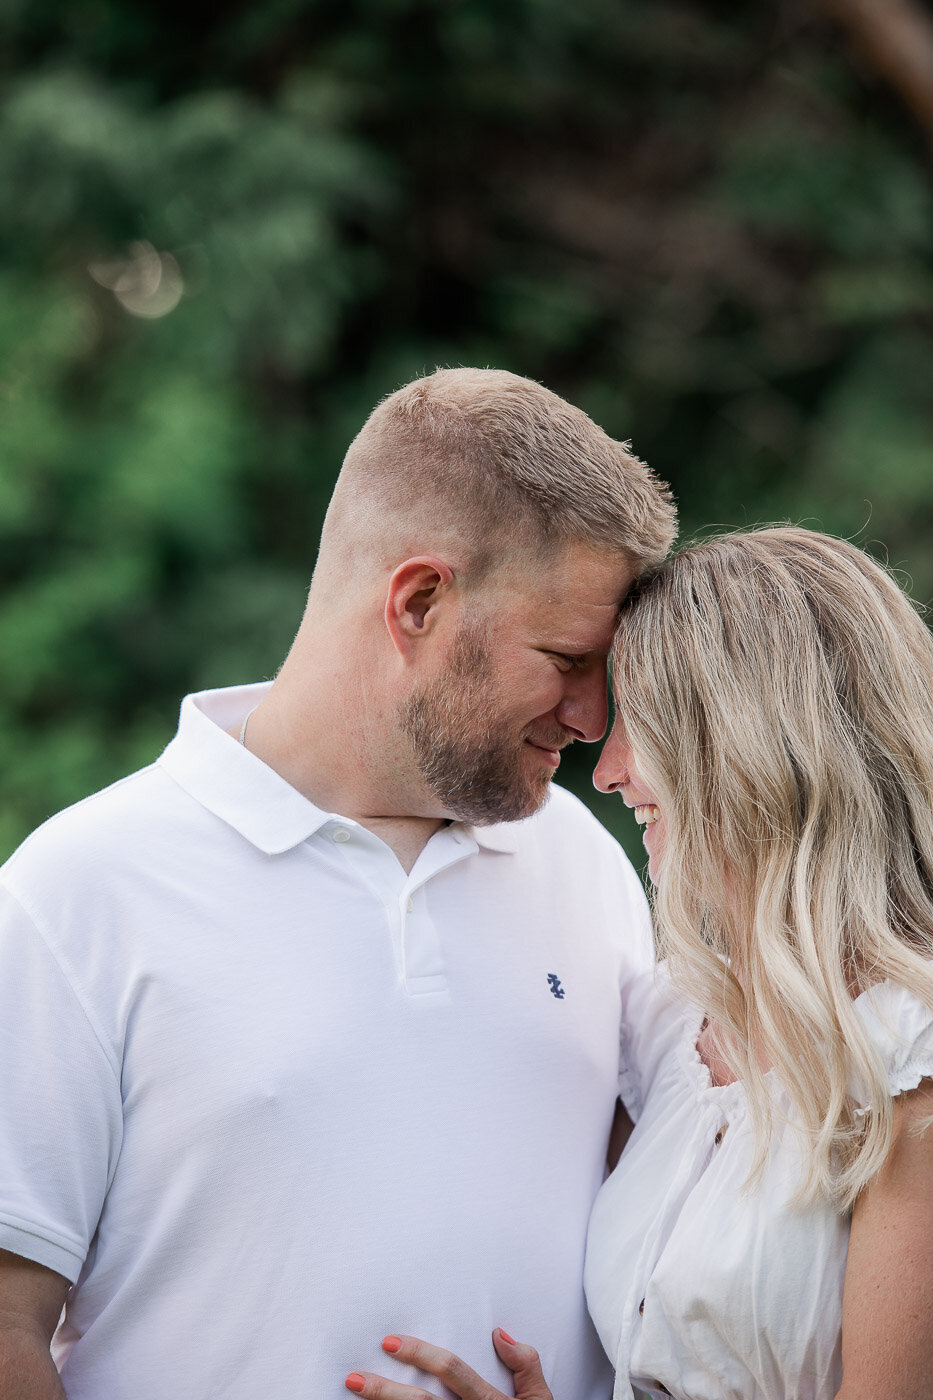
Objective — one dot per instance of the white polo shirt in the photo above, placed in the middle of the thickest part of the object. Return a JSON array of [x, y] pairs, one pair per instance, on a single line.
[[264, 1097]]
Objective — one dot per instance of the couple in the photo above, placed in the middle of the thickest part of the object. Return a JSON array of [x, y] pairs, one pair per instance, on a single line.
[[311, 1030]]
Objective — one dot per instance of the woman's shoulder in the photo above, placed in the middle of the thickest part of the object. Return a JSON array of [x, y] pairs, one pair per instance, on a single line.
[[899, 1024], [657, 1033]]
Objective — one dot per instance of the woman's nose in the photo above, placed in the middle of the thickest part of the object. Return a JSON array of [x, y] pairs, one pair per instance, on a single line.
[[612, 769]]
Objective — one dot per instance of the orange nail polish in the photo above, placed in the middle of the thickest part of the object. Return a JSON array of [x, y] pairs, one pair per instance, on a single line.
[[355, 1382], [506, 1338], [391, 1344]]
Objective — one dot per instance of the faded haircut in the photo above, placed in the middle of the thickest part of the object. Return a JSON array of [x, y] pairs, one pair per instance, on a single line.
[[505, 464], [777, 688]]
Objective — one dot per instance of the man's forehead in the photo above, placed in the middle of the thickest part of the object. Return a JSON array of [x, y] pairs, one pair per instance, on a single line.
[[581, 575], [564, 624]]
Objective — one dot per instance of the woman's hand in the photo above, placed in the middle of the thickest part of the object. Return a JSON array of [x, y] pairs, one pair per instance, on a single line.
[[455, 1374]]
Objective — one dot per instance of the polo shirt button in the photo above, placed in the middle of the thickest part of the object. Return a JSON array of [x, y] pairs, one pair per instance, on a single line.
[[410, 906], [341, 834], [721, 1134]]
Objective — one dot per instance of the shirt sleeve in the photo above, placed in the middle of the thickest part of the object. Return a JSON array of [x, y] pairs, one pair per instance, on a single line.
[[60, 1104], [636, 986], [901, 1028]]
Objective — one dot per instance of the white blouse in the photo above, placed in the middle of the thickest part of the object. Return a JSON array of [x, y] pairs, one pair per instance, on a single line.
[[699, 1289]]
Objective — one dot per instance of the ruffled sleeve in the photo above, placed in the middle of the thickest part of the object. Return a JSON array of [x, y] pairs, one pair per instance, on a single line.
[[901, 1028], [652, 1021], [629, 1081]]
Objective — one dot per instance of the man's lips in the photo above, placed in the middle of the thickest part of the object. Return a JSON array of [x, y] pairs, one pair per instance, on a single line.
[[550, 752]]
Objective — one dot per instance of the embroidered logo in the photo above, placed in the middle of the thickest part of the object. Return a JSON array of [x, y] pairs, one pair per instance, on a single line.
[[554, 984]]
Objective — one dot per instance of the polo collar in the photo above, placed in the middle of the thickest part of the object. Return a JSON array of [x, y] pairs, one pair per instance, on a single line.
[[230, 781], [500, 837]]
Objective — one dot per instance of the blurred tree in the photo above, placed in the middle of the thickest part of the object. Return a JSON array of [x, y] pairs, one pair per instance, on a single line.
[[222, 239], [897, 38]]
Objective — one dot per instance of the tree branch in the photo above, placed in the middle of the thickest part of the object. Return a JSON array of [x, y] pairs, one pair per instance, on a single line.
[[896, 37]]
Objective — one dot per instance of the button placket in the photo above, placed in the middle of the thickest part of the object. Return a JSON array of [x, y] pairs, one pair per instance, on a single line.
[[424, 963], [417, 948], [423, 967], [374, 865]]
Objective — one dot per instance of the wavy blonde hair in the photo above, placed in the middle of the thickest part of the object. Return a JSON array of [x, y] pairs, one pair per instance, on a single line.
[[776, 686]]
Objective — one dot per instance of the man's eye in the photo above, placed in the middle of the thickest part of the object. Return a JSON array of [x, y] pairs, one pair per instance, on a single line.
[[570, 662]]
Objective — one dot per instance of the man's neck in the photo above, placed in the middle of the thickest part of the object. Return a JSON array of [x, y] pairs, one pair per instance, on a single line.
[[406, 837], [328, 780]]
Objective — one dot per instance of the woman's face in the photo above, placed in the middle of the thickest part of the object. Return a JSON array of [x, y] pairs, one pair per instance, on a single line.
[[617, 771]]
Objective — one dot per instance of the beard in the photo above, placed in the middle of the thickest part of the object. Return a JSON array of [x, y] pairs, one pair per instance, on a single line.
[[475, 769]]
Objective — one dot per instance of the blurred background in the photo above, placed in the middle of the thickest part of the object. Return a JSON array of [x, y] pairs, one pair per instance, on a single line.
[[223, 239]]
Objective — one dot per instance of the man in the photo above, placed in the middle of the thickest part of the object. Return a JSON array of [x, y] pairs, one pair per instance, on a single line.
[[310, 1029]]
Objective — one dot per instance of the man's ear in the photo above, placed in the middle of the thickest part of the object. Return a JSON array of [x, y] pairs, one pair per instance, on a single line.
[[416, 589]]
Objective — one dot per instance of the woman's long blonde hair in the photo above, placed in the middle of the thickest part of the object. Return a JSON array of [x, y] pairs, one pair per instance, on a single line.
[[777, 688]]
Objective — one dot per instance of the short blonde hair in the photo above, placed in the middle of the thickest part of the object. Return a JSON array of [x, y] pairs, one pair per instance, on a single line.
[[508, 461], [777, 688]]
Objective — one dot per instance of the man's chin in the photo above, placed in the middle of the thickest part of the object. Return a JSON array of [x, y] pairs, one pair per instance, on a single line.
[[513, 807]]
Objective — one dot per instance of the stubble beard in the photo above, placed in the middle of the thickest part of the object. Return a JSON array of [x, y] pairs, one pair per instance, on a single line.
[[476, 773]]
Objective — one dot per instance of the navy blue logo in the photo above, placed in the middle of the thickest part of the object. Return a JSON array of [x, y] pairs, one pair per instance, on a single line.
[[554, 984]]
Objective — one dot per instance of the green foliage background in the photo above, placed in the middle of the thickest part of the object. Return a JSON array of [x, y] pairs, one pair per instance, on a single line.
[[705, 223]]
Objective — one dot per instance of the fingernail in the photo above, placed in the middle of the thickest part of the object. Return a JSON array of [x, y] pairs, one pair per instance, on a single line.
[[506, 1338], [355, 1381], [392, 1344]]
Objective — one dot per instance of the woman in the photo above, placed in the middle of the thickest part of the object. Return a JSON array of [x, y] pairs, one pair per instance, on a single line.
[[768, 1232]]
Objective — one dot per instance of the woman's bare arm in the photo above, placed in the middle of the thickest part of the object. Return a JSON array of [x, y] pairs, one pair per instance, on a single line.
[[619, 1135], [887, 1310]]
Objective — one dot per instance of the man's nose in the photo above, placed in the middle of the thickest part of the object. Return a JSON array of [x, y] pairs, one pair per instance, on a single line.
[[584, 710], [612, 769]]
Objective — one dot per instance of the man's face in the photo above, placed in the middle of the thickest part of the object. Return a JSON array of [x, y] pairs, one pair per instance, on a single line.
[[524, 676]]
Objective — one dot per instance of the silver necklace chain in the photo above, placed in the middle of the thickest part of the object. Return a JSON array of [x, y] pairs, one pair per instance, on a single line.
[[245, 723]]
